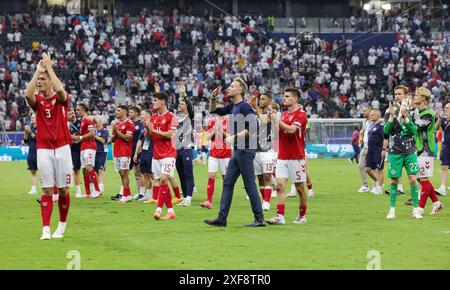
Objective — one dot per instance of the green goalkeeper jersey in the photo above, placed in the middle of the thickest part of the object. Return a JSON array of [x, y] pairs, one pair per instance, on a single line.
[[401, 135]]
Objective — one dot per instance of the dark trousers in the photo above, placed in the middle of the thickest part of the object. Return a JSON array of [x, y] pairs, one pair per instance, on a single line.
[[357, 151], [185, 170], [241, 163]]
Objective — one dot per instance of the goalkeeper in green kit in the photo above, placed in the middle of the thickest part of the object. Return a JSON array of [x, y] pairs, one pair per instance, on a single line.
[[402, 151]]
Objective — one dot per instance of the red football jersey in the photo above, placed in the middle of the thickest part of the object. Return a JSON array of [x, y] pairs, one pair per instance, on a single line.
[[51, 122], [292, 146], [85, 127], [219, 149], [122, 148], [164, 147]]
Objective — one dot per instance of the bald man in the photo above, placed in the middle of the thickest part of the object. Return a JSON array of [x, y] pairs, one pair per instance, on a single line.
[[374, 161]]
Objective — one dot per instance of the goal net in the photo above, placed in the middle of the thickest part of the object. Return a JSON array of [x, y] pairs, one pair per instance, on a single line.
[[330, 138]]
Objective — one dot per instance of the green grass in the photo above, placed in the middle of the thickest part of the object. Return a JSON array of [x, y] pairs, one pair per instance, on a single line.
[[343, 226]]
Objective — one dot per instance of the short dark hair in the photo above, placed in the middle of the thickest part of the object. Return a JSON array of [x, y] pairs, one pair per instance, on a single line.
[[293, 90], [123, 107], [267, 94], [136, 109], [161, 96], [85, 108]]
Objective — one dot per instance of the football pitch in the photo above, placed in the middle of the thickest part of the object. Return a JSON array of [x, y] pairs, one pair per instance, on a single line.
[[345, 229]]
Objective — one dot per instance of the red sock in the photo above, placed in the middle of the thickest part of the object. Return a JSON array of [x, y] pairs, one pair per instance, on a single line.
[[432, 193], [55, 190], [168, 197], [210, 188], [160, 196], [64, 205], [268, 193], [302, 210], [309, 185], [262, 191], [280, 209], [93, 177], [46, 209], [155, 192], [425, 192], [87, 180], [176, 191], [126, 191]]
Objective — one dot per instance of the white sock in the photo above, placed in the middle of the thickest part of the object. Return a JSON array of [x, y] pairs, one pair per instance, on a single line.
[[436, 203], [392, 208], [400, 187], [78, 188], [121, 190], [142, 190], [293, 189], [149, 191], [33, 188], [170, 210], [188, 198], [376, 185], [101, 186], [158, 209]]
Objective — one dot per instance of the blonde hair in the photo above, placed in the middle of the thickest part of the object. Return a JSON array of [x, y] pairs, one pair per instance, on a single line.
[[403, 88], [424, 92], [243, 85]]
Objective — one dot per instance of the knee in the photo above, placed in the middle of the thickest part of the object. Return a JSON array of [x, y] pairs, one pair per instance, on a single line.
[[63, 191], [47, 191], [279, 187]]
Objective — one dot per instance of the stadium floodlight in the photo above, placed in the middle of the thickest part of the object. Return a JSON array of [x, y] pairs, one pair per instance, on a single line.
[[424, 6], [306, 38], [386, 6], [367, 6], [444, 6]]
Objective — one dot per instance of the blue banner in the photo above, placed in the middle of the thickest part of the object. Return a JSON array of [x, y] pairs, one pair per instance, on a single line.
[[16, 153], [314, 151]]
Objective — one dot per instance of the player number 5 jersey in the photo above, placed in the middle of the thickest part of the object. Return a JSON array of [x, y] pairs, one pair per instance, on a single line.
[[292, 146]]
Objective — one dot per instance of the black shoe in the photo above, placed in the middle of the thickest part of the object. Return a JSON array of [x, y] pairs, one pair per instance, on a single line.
[[217, 222], [387, 192], [409, 202], [438, 193], [400, 192], [257, 224], [116, 197]]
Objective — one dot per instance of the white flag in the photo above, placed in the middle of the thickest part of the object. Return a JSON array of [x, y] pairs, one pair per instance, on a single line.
[[74, 7]]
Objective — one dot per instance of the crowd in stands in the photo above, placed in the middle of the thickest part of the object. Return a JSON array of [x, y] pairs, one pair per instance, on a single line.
[[98, 56]]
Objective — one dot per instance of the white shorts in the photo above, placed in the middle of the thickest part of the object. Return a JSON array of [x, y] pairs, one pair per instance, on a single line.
[[214, 164], [55, 167], [274, 159], [291, 169], [87, 157], [163, 166], [122, 163], [425, 166], [263, 163]]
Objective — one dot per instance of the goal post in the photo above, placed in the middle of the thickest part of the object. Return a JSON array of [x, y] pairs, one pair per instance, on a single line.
[[330, 138]]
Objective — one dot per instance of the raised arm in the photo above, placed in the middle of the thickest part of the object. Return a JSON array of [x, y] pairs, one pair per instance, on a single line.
[[57, 84], [213, 99], [31, 87]]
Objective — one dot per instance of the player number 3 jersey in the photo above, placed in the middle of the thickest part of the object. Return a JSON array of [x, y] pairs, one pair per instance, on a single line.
[[51, 121]]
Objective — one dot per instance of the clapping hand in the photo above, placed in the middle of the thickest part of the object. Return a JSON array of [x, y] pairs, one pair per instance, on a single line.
[[181, 88], [391, 110], [157, 88], [46, 61], [216, 92]]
